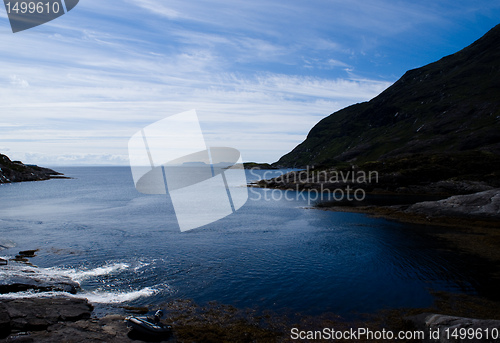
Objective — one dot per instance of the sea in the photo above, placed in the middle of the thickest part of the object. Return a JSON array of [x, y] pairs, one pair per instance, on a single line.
[[275, 253]]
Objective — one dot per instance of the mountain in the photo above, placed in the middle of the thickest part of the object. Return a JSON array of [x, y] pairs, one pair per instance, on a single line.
[[449, 107], [16, 171]]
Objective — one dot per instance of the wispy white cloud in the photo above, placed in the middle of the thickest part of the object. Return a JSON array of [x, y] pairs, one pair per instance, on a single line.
[[18, 82], [81, 110], [159, 8]]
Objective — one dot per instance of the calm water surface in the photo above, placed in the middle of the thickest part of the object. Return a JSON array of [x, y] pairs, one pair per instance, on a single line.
[[126, 248]]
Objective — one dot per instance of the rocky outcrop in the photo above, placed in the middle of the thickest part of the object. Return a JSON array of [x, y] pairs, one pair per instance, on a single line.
[[440, 328], [374, 179], [43, 317], [19, 278], [16, 171], [39, 314], [59, 319], [111, 329], [481, 205]]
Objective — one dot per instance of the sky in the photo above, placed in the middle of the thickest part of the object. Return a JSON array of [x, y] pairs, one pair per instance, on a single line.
[[260, 74]]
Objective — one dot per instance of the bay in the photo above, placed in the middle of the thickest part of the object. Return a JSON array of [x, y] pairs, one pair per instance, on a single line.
[[275, 253]]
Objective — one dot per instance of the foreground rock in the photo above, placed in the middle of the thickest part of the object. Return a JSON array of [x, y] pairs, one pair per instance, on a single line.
[[57, 320], [442, 328], [19, 278], [20, 315], [481, 205]]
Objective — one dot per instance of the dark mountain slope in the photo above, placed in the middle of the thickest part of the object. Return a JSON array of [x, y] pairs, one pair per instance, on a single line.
[[449, 106]]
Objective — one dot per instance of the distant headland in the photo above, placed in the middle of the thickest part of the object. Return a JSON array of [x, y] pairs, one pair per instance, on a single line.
[[17, 171]]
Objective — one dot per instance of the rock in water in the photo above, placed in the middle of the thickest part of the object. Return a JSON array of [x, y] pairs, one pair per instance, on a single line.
[[28, 253], [16, 278]]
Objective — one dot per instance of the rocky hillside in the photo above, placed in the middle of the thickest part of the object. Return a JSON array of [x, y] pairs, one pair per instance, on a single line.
[[450, 106], [16, 171]]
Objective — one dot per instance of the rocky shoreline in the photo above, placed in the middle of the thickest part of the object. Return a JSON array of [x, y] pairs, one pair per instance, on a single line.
[[57, 319], [38, 306], [53, 312], [459, 202], [71, 320], [50, 312], [16, 171], [469, 211], [16, 277], [468, 223]]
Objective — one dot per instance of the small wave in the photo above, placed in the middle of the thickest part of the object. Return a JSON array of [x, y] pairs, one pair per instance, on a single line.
[[94, 297], [141, 265], [35, 294], [97, 296], [103, 297], [82, 274]]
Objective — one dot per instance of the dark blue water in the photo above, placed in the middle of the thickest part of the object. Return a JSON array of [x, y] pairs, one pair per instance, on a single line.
[[126, 247]]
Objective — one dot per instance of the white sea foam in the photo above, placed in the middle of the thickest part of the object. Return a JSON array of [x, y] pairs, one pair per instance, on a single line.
[[82, 274], [106, 297], [141, 265], [98, 296], [94, 297], [34, 294]]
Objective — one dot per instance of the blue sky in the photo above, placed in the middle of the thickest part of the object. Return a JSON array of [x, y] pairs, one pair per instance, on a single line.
[[260, 74]]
